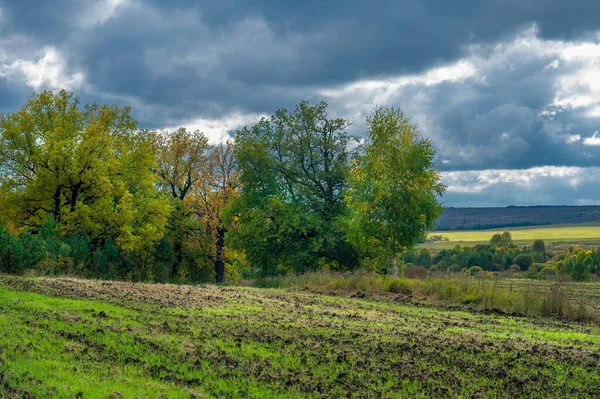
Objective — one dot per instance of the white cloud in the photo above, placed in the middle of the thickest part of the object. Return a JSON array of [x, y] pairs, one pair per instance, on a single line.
[[571, 69], [100, 11], [572, 138], [480, 180], [455, 72], [217, 130], [587, 202], [49, 71], [594, 140]]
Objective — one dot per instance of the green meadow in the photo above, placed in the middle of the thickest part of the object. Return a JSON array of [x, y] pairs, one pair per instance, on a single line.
[[585, 234], [68, 338]]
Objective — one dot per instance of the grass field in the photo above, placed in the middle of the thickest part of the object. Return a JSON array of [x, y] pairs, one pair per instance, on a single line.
[[69, 338], [585, 234]]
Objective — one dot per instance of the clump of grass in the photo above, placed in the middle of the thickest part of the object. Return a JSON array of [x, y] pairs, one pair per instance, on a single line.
[[482, 292], [556, 302]]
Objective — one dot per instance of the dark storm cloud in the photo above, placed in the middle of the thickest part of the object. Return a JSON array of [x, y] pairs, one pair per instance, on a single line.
[[208, 55], [504, 109], [48, 21], [12, 96], [176, 62]]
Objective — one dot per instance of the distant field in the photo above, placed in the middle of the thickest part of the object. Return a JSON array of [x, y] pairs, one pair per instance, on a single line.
[[588, 233], [65, 338]]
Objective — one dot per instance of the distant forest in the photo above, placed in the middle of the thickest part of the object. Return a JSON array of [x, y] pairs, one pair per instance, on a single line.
[[515, 216]]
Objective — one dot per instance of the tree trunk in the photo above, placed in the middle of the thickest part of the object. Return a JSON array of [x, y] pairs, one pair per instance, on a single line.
[[220, 256], [74, 194], [56, 208], [178, 259], [394, 271]]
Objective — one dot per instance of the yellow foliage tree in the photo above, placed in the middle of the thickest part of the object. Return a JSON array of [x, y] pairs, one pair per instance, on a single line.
[[88, 167]]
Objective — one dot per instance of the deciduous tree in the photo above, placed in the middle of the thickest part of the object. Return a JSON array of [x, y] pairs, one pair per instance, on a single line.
[[394, 186], [215, 190], [87, 167], [293, 173], [182, 158]]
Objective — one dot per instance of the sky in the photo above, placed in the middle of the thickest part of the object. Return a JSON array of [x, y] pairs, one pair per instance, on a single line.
[[507, 90]]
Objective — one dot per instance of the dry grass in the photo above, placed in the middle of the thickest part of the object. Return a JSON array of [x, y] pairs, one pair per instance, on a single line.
[[482, 293]]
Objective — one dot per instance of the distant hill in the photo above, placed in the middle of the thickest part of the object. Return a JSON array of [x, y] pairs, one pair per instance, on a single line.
[[514, 216]]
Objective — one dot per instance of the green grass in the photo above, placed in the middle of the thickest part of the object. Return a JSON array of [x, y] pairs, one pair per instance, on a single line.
[[65, 338], [561, 233]]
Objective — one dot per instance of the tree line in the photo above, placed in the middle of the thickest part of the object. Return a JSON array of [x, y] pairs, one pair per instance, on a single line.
[[501, 254], [84, 191]]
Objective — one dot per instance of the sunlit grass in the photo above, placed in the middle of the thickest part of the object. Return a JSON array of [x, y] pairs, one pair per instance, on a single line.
[[567, 233], [138, 340]]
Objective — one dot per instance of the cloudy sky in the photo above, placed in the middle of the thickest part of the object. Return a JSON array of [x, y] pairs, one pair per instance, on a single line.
[[508, 90]]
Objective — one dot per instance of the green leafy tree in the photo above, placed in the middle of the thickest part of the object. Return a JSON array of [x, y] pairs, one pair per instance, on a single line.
[[107, 261], [394, 186], [425, 258], [538, 246], [524, 260], [34, 252], [503, 240], [293, 171], [11, 252], [164, 257], [579, 266], [79, 252], [50, 233]]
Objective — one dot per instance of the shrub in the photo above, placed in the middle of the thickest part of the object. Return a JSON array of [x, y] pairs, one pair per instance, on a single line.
[[416, 272], [474, 270], [398, 286], [532, 272], [454, 268], [556, 303], [548, 271], [514, 268], [539, 257], [523, 260]]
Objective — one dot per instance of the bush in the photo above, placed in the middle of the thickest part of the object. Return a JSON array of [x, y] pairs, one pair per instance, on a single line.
[[548, 271], [416, 272], [524, 261], [538, 246], [454, 268], [514, 268], [474, 270], [556, 303], [539, 257], [398, 286], [532, 272]]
